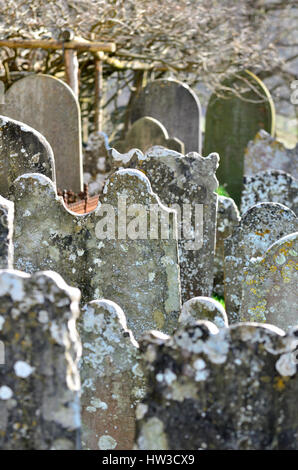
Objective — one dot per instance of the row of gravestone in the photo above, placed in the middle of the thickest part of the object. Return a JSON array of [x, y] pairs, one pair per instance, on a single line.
[[165, 392], [79, 248], [165, 112]]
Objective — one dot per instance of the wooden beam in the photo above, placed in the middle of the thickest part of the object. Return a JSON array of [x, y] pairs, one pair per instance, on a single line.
[[55, 45]]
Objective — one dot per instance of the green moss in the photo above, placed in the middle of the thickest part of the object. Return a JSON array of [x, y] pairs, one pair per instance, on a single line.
[[220, 300], [221, 191]]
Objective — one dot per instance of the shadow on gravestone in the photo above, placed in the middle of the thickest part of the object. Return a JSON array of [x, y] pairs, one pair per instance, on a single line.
[[6, 233], [147, 132], [266, 153], [232, 389], [260, 226], [49, 105], [39, 382], [272, 186], [22, 150], [226, 218], [270, 285], [141, 275], [112, 379], [231, 122], [185, 183], [176, 106]]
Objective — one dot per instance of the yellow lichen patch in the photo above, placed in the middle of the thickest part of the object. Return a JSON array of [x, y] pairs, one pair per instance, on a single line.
[[280, 383], [158, 319], [272, 269]]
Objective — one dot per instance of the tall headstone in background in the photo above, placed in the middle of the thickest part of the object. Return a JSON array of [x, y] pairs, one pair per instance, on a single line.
[[147, 132], [49, 105], [185, 183], [112, 379], [22, 150], [262, 225], [176, 106], [39, 381], [270, 285], [266, 153], [232, 390], [232, 122], [272, 186], [6, 233]]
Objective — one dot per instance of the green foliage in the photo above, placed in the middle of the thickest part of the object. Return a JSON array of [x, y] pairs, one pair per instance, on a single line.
[[220, 300], [221, 191]]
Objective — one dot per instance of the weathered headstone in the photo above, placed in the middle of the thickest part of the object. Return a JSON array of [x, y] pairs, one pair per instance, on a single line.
[[203, 308], [266, 153], [6, 233], [147, 132], [270, 285], [137, 265], [259, 227], [272, 186], [187, 184], [96, 162], [112, 380], [104, 253], [22, 150], [39, 382], [233, 390], [231, 122], [226, 219], [176, 106], [49, 105]]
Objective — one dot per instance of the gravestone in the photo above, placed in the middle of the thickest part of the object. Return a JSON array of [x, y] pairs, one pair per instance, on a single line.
[[112, 380], [22, 150], [270, 185], [6, 233], [49, 105], [266, 153], [177, 108], [231, 122], [138, 268], [270, 285], [39, 382], [96, 162], [186, 184], [147, 132], [226, 219], [203, 308], [260, 226], [232, 390], [102, 253]]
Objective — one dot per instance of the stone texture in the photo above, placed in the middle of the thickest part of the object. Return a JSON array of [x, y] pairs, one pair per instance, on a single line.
[[112, 380], [22, 150], [266, 153], [260, 226], [203, 308], [39, 382], [270, 185], [270, 285], [180, 181], [6, 233], [231, 123], [176, 106], [226, 219], [235, 389], [57, 118], [147, 132], [141, 275]]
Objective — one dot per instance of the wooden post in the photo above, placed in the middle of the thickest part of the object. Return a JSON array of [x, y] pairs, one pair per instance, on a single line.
[[98, 93], [72, 69]]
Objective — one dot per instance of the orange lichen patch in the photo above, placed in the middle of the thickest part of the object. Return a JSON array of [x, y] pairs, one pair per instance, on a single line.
[[280, 383], [262, 234]]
